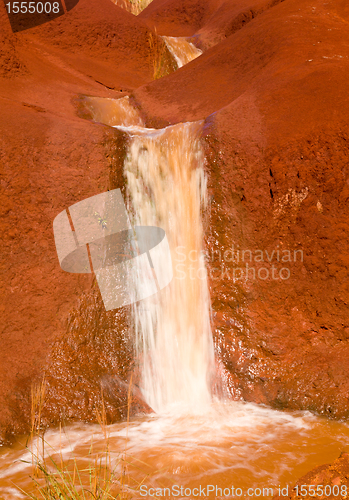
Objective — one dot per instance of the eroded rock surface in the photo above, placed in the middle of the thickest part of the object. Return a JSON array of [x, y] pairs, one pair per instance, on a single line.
[[271, 88]]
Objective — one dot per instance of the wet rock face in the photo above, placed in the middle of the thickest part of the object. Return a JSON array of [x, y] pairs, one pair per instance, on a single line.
[[91, 369], [42, 168], [91, 366], [277, 256]]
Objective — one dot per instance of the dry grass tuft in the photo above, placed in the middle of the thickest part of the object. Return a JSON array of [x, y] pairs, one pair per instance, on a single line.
[[93, 477]]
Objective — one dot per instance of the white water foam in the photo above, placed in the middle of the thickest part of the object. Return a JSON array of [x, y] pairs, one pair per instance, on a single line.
[[235, 442], [166, 186], [182, 50]]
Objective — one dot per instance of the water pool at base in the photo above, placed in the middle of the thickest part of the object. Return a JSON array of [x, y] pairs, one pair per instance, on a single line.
[[240, 445]]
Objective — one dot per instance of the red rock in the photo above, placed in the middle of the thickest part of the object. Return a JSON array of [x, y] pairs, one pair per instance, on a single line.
[[49, 160], [277, 149], [273, 97]]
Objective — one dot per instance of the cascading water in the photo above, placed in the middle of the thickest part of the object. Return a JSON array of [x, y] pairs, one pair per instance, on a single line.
[[182, 50], [167, 187], [190, 442]]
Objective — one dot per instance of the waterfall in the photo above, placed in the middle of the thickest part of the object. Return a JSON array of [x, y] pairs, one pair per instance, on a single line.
[[182, 50], [166, 187]]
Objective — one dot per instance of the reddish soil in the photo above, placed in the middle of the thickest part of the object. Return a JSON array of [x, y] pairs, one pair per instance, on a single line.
[[209, 22], [178, 17], [272, 89]]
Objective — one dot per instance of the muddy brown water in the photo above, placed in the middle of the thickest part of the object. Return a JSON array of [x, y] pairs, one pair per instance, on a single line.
[[234, 444]]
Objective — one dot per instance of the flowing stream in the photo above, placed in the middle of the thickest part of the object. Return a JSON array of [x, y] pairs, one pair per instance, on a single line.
[[192, 440], [182, 50]]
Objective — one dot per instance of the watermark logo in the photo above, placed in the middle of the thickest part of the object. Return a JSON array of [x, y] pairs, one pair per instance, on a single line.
[[237, 264], [29, 14], [130, 263]]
